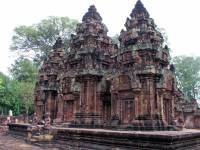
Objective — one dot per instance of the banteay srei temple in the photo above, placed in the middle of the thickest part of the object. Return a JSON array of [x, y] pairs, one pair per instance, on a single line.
[[98, 95], [96, 83]]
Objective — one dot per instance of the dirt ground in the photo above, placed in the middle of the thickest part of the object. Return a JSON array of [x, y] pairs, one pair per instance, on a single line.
[[10, 143]]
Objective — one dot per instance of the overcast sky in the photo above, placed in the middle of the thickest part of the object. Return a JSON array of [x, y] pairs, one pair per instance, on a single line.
[[180, 19]]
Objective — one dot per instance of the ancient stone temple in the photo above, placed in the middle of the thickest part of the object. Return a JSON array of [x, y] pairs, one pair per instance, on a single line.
[[96, 83]]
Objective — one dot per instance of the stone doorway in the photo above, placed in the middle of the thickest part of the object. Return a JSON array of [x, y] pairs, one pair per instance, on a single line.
[[106, 111], [54, 105], [129, 111], [68, 110], [167, 110]]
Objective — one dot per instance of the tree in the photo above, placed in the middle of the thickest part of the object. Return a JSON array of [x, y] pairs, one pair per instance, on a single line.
[[3, 103], [188, 74], [38, 39], [14, 96], [9, 97], [24, 70], [26, 94]]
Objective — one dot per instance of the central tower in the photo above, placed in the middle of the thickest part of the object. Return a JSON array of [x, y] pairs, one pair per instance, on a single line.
[[92, 49]]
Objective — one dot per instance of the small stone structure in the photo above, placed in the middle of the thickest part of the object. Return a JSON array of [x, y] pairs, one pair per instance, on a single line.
[[190, 113], [96, 83]]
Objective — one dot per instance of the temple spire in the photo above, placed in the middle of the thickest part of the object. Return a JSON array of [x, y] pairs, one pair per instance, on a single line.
[[58, 43], [140, 29], [92, 14], [139, 9]]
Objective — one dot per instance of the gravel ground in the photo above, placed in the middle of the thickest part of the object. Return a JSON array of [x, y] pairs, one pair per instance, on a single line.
[[10, 143]]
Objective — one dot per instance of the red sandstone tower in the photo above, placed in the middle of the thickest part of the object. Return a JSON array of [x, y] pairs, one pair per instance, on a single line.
[[92, 51], [47, 87], [98, 84]]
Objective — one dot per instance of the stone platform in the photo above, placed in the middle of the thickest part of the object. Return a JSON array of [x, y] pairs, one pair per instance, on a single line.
[[102, 139]]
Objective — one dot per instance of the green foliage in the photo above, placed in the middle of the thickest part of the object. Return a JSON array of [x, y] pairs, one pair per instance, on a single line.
[[3, 89], [38, 39], [188, 74], [26, 94], [14, 99], [9, 98], [24, 70], [16, 93]]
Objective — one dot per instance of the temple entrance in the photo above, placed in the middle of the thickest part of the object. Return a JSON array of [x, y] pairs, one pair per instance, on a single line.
[[167, 110], [68, 110], [106, 111], [54, 107], [107, 103], [129, 111]]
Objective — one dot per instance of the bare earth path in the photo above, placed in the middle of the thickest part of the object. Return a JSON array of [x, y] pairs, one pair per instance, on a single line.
[[10, 143]]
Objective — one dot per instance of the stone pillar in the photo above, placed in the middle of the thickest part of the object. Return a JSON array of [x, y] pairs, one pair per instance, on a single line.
[[152, 97], [60, 107], [98, 103], [82, 99], [115, 107], [119, 106], [95, 97], [136, 105], [162, 106], [91, 96], [141, 103], [113, 103], [144, 97], [48, 110], [147, 94], [172, 109], [158, 110]]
